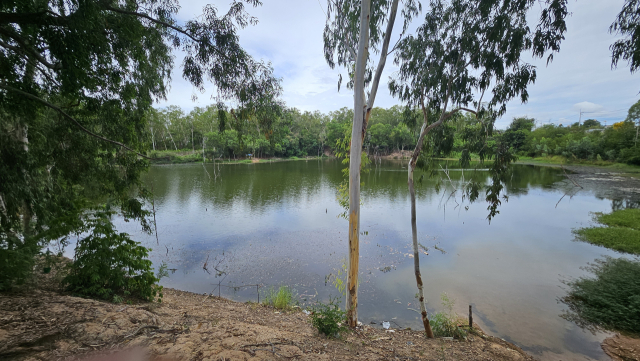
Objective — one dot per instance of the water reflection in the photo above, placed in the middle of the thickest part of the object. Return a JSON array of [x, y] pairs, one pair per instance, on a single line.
[[277, 224]]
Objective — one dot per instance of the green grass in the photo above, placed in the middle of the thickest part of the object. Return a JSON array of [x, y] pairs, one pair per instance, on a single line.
[[629, 218], [621, 234], [616, 238], [609, 301], [560, 160], [282, 298]]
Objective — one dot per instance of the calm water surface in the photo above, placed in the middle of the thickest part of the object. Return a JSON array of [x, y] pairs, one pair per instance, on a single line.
[[276, 224]]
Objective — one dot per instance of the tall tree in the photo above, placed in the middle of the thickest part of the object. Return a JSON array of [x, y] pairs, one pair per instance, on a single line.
[[353, 28], [467, 49], [77, 79]]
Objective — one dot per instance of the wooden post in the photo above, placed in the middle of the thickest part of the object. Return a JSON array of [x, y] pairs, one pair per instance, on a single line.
[[258, 290], [470, 318], [219, 289]]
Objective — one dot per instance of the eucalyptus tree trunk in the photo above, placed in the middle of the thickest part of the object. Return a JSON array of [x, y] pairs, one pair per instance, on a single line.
[[172, 141], [355, 159], [26, 209], [414, 228], [361, 114]]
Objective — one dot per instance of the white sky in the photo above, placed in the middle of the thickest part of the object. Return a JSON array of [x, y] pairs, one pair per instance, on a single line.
[[289, 34]]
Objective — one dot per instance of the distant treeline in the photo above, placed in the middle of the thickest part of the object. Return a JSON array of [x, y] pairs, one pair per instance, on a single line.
[[298, 133], [294, 133], [587, 141]]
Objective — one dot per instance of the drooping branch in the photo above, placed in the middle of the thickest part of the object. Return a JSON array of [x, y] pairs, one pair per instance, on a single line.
[[63, 113], [25, 47]]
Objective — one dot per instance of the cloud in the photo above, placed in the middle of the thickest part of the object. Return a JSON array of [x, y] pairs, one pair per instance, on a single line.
[[587, 107], [289, 34]]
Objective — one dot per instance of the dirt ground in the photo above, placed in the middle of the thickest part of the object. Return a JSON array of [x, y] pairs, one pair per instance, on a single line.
[[41, 323]]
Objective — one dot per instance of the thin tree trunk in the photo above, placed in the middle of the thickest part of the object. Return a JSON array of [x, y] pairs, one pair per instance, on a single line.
[[26, 208], [416, 253], [171, 136], [355, 158]]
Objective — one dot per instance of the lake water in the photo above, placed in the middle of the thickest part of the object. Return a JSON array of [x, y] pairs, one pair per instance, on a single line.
[[277, 224]]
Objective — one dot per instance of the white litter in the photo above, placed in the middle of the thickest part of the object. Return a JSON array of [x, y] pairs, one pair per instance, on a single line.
[[386, 325]]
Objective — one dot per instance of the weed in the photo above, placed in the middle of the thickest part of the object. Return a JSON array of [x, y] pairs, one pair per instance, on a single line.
[[445, 323], [616, 238], [622, 233], [629, 218], [328, 319], [610, 301], [281, 299]]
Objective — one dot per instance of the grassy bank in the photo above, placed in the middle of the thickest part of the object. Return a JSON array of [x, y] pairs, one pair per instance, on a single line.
[[559, 160], [622, 231], [187, 156]]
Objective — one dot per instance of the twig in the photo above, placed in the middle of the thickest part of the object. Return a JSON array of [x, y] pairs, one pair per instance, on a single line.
[[142, 328], [572, 181], [33, 97]]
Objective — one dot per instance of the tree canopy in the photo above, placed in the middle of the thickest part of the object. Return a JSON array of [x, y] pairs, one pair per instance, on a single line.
[[77, 80]]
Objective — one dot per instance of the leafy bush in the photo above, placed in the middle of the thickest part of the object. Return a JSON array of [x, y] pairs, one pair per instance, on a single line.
[[109, 265], [281, 299], [328, 319], [445, 323], [16, 260], [610, 301]]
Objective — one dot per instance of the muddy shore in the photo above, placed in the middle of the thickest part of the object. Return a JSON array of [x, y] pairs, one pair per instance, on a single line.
[[42, 323]]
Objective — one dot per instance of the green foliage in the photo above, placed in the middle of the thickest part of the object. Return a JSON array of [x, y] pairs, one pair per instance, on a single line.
[[282, 298], [339, 280], [616, 238], [445, 323], [329, 319], [110, 266], [621, 234], [102, 63], [609, 301], [629, 218], [16, 261], [626, 27]]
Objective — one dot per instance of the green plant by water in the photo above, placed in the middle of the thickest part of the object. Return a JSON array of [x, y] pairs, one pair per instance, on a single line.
[[328, 319], [110, 266], [282, 298], [622, 231], [610, 301], [445, 323]]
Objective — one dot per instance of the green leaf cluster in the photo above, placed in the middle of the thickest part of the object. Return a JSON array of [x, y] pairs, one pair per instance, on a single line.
[[329, 319], [109, 265]]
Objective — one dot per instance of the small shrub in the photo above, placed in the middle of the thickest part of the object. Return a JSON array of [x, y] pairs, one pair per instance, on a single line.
[[109, 265], [610, 301], [281, 299], [445, 323], [328, 319]]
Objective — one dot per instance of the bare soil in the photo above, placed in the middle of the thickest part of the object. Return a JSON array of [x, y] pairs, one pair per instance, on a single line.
[[42, 323], [622, 348]]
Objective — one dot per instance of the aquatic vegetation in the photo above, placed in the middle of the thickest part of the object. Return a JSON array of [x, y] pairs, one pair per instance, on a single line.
[[280, 299], [622, 233], [629, 218], [328, 319], [610, 301]]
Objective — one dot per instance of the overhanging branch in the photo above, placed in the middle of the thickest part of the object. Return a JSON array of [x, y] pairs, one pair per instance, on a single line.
[[46, 103]]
